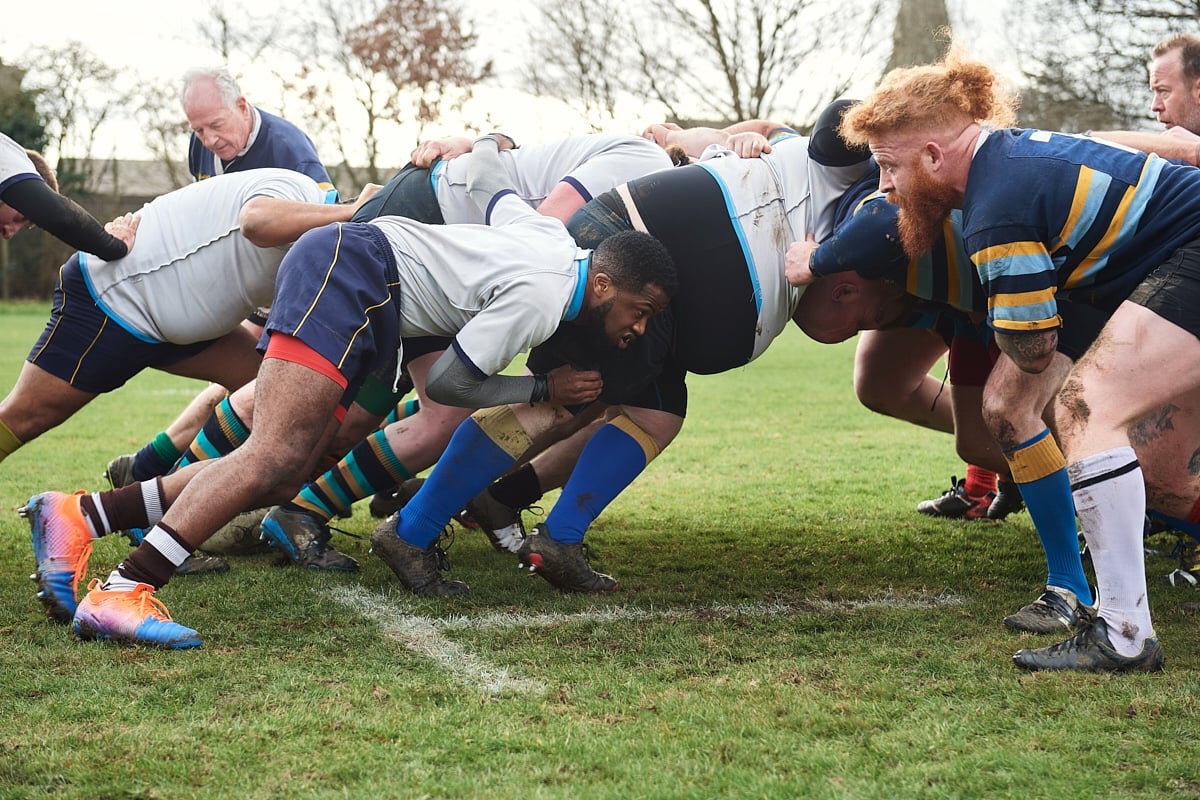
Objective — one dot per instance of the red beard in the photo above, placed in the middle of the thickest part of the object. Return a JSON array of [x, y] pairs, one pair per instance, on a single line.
[[923, 211]]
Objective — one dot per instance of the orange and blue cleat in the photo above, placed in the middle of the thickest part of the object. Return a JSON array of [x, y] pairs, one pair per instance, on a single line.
[[62, 544], [133, 616]]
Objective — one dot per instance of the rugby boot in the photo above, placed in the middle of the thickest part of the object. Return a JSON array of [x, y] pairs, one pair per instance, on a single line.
[[305, 539], [564, 566], [419, 570], [501, 524], [62, 544], [1055, 611], [130, 617], [1090, 650], [1006, 500], [955, 503]]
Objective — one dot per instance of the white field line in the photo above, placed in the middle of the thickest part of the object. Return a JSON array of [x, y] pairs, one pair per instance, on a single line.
[[425, 635]]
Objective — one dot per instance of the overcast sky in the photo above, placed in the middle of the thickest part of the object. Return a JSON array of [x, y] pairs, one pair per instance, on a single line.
[[157, 38]]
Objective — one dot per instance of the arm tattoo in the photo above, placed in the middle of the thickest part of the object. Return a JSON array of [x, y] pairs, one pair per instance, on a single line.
[[1029, 351]]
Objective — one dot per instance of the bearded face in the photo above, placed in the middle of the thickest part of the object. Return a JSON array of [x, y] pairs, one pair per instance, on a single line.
[[923, 209]]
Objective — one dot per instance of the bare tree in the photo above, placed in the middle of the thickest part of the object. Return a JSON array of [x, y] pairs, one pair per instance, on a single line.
[[917, 37], [579, 57], [1087, 59], [243, 36], [77, 95], [406, 62], [714, 59], [157, 110]]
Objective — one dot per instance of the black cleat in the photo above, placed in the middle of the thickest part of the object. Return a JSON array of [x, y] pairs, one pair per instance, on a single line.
[[1055, 611], [564, 566], [419, 570], [955, 503], [305, 540], [1007, 500], [501, 524], [1090, 650]]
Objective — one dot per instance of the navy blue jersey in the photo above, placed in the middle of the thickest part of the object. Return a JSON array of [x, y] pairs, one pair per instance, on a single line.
[[1053, 215], [279, 144]]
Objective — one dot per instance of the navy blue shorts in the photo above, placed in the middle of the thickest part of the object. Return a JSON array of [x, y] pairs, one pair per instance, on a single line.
[[338, 292], [1173, 290], [88, 349]]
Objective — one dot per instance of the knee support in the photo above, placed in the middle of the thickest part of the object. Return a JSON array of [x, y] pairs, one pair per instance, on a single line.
[[504, 429]]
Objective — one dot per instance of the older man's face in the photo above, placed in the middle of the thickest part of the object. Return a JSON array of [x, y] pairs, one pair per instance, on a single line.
[[221, 129]]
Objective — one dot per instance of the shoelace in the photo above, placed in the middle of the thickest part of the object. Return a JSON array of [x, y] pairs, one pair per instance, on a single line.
[[143, 596], [1077, 643], [80, 565], [148, 604], [442, 554]]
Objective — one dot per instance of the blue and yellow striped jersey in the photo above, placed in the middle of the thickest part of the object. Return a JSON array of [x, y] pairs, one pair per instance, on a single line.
[[1050, 215]]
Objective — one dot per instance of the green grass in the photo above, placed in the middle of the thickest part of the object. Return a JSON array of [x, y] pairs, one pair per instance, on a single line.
[[787, 626]]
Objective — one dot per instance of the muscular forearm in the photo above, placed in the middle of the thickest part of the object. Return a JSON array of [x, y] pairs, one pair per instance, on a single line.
[[64, 219], [1172, 147], [271, 222], [452, 383]]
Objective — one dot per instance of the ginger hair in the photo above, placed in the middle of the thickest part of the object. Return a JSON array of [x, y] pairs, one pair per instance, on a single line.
[[953, 92]]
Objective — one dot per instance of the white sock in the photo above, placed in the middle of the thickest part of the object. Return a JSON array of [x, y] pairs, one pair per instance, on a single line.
[[103, 516], [1110, 499], [152, 500], [118, 583]]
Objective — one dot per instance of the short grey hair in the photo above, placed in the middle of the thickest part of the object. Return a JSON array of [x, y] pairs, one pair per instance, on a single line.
[[221, 76]]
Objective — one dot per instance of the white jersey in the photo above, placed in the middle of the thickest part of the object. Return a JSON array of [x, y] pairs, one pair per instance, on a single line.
[[775, 200], [499, 290], [192, 276], [15, 165], [592, 163]]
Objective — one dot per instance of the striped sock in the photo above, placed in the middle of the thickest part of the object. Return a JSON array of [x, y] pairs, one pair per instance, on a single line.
[[370, 467]]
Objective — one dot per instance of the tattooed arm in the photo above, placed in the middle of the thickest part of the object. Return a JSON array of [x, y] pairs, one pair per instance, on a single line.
[[1030, 351]]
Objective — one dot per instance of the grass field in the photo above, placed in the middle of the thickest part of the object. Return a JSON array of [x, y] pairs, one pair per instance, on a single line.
[[787, 626]]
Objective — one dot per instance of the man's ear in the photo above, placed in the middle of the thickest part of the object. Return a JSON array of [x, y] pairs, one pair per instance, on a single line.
[[601, 285], [845, 293], [933, 152]]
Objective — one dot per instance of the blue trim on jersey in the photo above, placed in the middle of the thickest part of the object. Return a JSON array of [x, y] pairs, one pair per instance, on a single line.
[[576, 304], [458, 351], [435, 172], [741, 235], [579, 187], [331, 197], [108, 312], [496, 198]]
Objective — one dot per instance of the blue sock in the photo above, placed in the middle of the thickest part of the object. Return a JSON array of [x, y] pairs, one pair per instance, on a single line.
[[609, 462], [471, 462], [1052, 509]]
